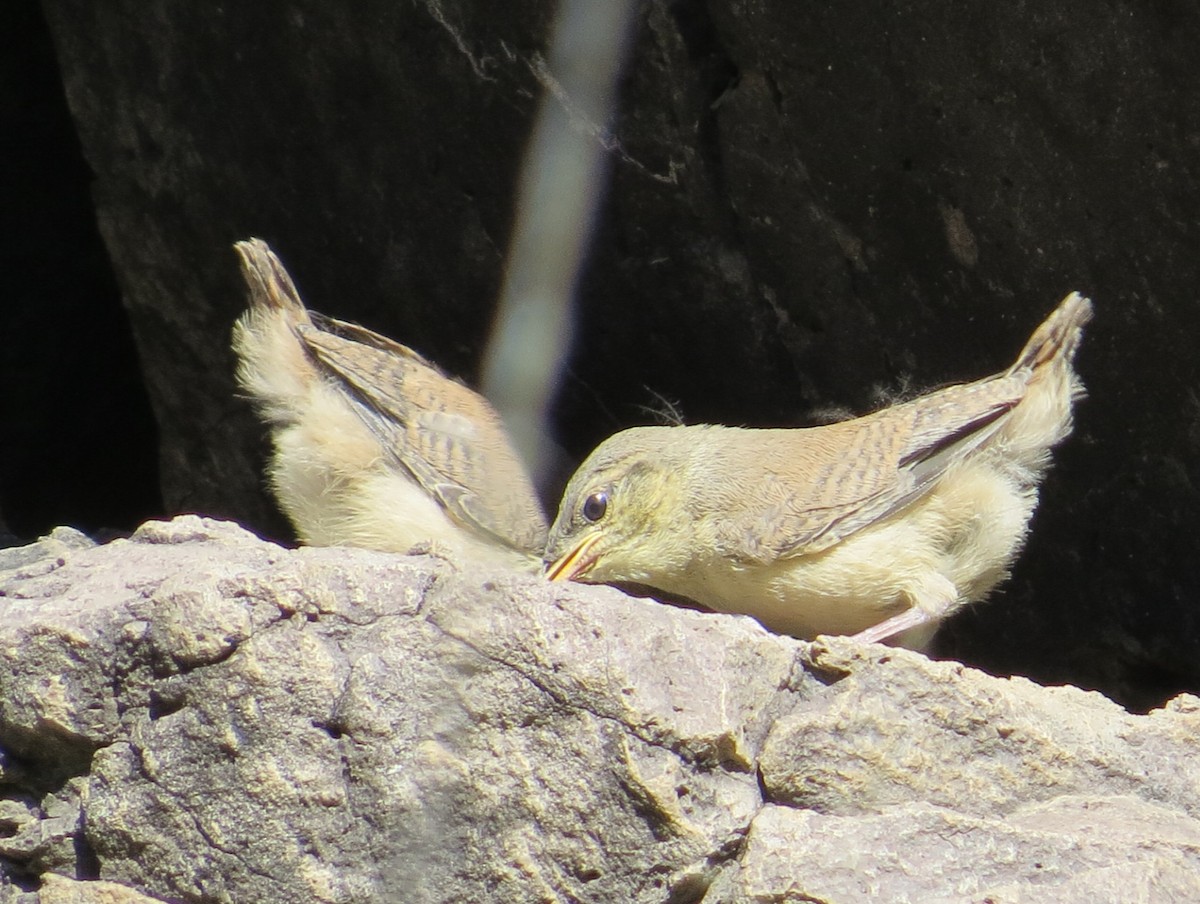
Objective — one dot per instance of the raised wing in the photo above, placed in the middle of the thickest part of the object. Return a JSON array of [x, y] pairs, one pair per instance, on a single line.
[[447, 436], [844, 477]]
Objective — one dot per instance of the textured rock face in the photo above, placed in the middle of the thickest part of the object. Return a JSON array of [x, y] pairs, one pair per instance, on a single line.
[[196, 714]]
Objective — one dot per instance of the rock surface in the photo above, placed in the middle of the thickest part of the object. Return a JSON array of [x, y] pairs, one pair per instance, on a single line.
[[196, 714]]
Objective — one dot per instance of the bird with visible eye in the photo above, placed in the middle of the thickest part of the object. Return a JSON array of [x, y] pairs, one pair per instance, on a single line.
[[878, 527]]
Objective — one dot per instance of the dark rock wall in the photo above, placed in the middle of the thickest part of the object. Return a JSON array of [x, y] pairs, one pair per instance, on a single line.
[[815, 208], [77, 438]]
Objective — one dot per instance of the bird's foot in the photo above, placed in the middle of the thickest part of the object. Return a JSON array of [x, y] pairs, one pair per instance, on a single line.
[[436, 550]]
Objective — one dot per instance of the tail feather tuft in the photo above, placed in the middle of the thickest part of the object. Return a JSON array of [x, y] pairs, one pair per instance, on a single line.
[[271, 288], [1058, 336]]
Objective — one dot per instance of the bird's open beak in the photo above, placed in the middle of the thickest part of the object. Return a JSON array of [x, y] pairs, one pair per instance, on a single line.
[[575, 562]]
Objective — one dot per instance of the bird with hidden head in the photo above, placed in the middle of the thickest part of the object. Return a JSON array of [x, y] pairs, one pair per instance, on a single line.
[[878, 527], [373, 445]]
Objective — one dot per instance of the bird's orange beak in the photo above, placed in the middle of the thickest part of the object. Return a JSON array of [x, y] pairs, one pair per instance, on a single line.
[[575, 562]]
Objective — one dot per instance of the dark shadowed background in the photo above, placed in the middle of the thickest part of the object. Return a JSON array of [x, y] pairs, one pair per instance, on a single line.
[[815, 208]]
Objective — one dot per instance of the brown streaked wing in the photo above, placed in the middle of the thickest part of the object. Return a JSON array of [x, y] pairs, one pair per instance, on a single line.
[[861, 471], [447, 436]]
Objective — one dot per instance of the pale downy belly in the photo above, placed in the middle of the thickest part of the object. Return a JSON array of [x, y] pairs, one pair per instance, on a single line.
[[957, 542]]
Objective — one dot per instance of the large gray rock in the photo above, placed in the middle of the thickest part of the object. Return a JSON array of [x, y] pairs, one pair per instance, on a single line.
[[200, 715]]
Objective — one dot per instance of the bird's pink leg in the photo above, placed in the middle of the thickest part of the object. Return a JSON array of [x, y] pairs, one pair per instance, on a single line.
[[938, 599], [890, 627]]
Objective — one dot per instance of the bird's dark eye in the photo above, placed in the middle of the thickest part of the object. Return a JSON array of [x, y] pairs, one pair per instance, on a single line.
[[595, 506]]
